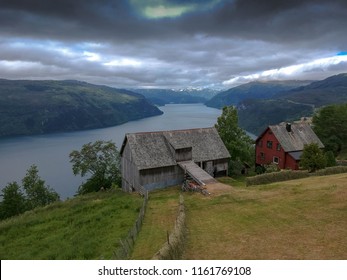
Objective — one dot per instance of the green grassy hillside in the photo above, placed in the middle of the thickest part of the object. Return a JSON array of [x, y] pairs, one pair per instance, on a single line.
[[85, 227], [298, 219], [36, 107]]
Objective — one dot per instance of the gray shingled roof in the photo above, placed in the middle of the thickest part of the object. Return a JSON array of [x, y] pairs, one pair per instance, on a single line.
[[152, 149], [300, 135]]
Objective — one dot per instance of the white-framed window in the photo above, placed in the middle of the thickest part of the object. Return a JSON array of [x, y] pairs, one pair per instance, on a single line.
[[276, 160]]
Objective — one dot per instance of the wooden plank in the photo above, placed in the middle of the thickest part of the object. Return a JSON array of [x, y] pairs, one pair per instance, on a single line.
[[197, 173]]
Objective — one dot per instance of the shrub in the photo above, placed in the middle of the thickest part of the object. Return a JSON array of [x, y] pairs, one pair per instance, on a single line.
[[286, 175], [268, 178], [330, 159], [312, 158], [272, 167], [331, 171]]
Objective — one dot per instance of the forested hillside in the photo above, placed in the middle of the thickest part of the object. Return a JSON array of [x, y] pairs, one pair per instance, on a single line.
[[252, 90], [36, 107]]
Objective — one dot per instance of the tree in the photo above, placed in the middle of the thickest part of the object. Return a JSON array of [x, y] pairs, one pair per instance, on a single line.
[[13, 201], [330, 126], [330, 159], [16, 201], [238, 143], [37, 193], [99, 160], [312, 158]]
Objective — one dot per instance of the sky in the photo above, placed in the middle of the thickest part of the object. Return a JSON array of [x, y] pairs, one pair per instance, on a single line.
[[172, 43]]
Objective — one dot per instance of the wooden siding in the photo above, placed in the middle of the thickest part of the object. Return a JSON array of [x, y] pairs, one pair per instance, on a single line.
[[161, 177], [266, 154], [291, 162], [183, 154], [220, 167], [130, 174]]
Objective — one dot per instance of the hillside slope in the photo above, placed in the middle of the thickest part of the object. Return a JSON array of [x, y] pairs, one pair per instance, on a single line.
[[37, 107], [252, 90], [255, 115], [84, 227], [332, 90]]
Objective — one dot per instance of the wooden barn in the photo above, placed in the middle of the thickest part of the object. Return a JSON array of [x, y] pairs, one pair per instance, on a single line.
[[283, 144], [151, 160]]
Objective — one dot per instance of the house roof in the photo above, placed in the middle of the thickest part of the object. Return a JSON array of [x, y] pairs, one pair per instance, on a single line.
[[299, 135], [156, 149], [296, 155]]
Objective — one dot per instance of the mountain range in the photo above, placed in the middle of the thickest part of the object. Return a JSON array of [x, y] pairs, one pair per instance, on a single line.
[[252, 90], [161, 97], [37, 107], [30, 107]]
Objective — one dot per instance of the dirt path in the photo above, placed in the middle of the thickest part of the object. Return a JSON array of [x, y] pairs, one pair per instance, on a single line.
[[218, 188]]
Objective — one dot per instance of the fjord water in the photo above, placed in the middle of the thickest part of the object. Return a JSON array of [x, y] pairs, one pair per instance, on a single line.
[[51, 152]]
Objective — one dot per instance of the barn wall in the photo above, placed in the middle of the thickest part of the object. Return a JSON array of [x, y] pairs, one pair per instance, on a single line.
[[161, 177], [220, 167], [130, 174], [208, 167]]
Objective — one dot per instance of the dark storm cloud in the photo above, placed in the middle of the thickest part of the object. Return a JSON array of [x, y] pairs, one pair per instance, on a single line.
[[181, 43], [270, 20]]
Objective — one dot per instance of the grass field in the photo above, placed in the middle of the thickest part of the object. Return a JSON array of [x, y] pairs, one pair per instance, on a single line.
[[86, 227], [161, 213], [299, 219]]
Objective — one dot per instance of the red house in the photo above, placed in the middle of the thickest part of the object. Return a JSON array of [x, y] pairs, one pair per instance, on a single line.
[[283, 144]]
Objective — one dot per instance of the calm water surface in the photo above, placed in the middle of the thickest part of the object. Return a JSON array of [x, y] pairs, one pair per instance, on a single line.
[[51, 152]]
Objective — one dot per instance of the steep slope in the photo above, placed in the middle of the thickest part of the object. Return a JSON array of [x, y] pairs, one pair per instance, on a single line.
[[36, 107], [252, 90]]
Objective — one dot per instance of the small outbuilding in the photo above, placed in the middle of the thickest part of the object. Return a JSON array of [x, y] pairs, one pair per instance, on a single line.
[[151, 160], [283, 144]]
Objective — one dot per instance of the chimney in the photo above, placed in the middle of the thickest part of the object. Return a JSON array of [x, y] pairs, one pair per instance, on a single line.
[[289, 127]]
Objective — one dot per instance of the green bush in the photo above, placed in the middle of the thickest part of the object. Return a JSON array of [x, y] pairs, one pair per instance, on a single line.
[[330, 159], [331, 171]]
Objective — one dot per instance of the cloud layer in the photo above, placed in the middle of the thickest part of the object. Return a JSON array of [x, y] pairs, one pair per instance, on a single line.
[[162, 43]]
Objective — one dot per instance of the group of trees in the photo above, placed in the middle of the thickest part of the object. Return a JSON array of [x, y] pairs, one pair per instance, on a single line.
[[238, 143], [32, 193], [330, 125]]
